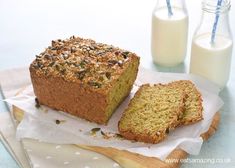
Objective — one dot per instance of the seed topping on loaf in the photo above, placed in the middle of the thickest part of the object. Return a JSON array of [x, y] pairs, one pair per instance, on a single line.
[[82, 60]]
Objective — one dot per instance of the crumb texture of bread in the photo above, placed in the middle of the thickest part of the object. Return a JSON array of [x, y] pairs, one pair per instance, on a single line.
[[83, 78], [193, 102], [152, 112]]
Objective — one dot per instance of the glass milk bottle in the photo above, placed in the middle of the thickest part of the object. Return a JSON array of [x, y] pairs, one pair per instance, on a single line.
[[169, 32], [212, 43]]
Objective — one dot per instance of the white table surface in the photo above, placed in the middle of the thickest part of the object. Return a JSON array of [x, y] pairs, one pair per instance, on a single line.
[[28, 26]]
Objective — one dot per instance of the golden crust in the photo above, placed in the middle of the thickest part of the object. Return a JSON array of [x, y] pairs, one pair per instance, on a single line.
[[128, 134], [90, 96], [83, 61]]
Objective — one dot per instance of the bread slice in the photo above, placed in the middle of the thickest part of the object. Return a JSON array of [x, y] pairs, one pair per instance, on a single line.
[[152, 112], [193, 102]]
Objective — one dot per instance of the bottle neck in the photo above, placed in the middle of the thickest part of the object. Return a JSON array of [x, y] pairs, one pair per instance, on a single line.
[[214, 15], [210, 18], [216, 6]]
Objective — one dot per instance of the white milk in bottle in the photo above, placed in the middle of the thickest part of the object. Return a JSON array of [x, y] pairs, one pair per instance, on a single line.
[[211, 60], [169, 35], [212, 44]]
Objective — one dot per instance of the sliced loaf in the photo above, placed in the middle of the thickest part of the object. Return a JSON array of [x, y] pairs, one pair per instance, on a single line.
[[83, 78], [152, 112], [193, 102]]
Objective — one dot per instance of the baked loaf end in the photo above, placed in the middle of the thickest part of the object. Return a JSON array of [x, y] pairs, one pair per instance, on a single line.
[[193, 102], [152, 112], [83, 78]]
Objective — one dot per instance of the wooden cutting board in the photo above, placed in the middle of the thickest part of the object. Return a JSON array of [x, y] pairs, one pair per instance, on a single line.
[[132, 160]]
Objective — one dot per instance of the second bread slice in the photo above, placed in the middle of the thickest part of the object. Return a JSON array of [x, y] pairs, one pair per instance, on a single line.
[[193, 102], [152, 112]]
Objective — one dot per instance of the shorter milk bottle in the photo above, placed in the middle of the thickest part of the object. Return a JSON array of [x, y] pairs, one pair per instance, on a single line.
[[169, 32], [211, 55]]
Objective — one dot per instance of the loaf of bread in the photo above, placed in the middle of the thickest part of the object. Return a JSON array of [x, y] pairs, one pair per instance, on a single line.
[[83, 78], [193, 102], [152, 112]]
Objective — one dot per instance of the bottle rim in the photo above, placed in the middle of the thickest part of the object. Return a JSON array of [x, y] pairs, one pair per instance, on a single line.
[[211, 7]]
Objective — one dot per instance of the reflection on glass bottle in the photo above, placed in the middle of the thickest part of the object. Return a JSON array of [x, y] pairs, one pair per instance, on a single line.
[[212, 58]]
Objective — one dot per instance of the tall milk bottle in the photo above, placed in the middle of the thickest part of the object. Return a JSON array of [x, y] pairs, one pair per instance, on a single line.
[[169, 33], [211, 56]]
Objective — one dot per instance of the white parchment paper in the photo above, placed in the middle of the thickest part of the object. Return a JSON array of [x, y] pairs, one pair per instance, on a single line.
[[40, 123]]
